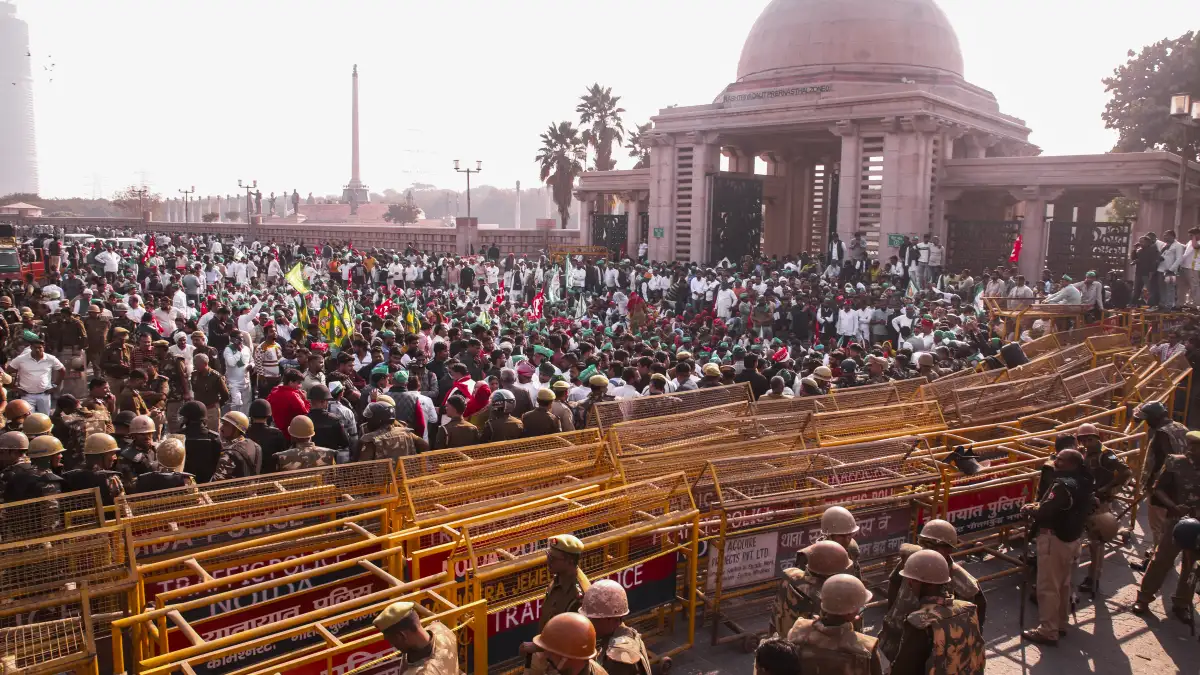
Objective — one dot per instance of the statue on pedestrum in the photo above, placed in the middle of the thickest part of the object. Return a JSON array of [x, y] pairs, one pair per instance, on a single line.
[[295, 201], [271, 203]]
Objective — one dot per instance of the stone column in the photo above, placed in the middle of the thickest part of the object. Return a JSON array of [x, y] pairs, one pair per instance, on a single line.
[[706, 161], [849, 178], [632, 229], [584, 216], [741, 160], [1034, 232], [1156, 211], [662, 196], [907, 178], [977, 146]]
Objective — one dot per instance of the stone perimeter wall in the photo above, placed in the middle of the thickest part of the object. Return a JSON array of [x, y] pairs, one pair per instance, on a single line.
[[458, 240]]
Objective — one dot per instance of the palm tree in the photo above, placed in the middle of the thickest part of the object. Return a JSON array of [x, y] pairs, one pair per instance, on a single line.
[[561, 158], [598, 108], [637, 147]]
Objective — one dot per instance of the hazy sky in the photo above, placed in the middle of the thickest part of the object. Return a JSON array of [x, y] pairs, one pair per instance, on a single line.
[[204, 92]]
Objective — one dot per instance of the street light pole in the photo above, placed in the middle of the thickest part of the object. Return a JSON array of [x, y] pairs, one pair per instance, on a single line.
[[185, 194], [1187, 112], [469, 171], [142, 200], [252, 185]]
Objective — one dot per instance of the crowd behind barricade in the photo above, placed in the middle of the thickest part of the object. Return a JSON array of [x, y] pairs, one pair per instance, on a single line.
[[154, 361]]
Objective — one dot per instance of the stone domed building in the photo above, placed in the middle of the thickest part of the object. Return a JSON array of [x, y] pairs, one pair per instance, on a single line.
[[861, 120]]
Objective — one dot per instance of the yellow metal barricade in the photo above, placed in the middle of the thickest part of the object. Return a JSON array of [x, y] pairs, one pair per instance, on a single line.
[[635, 534], [168, 522], [693, 429], [1002, 401], [1097, 386], [757, 511], [605, 415], [1069, 360], [480, 486], [49, 647], [1106, 347], [436, 461], [691, 459], [867, 424], [1047, 343], [942, 389], [33, 518]]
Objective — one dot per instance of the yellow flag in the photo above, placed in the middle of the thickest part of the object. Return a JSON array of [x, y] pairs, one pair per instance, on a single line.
[[295, 277]]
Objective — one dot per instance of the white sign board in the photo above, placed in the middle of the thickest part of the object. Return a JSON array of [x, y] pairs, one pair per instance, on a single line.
[[748, 560]]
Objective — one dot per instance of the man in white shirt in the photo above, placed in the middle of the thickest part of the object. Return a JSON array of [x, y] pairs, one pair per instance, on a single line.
[[1168, 268], [1069, 295], [238, 362], [1189, 270], [111, 262], [37, 374], [274, 271]]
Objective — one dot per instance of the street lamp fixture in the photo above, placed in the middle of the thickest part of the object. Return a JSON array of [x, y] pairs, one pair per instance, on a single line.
[[249, 188], [469, 171], [185, 194], [1186, 110]]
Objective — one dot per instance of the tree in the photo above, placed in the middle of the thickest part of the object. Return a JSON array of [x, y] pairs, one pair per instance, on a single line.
[[399, 214], [210, 217], [637, 146], [1141, 91], [561, 159], [133, 200], [1123, 209], [598, 108], [233, 216]]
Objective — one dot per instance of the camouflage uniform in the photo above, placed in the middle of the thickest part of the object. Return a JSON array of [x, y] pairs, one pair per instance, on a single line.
[[904, 601], [833, 650], [97, 328], [172, 369], [941, 638], [118, 360], [133, 462], [162, 479], [623, 653], [239, 459], [443, 660], [109, 483], [390, 442], [71, 430], [24, 480], [304, 456], [799, 596]]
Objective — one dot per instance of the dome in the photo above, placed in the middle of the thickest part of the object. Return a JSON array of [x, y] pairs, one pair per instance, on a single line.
[[906, 36]]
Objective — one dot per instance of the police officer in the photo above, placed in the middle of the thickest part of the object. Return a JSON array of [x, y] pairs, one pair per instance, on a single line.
[[203, 444], [99, 454], [37, 424], [830, 644], [240, 456], [540, 421], [1178, 490], [330, 432], [565, 594], [943, 635], [117, 358], [838, 524], [304, 454], [599, 394], [936, 535], [1167, 437], [386, 438], [1109, 476], [1061, 516], [425, 650], [15, 413], [800, 591], [70, 425], [619, 650], [501, 425], [457, 432], [170, 457], [569, 642], [136, 458], [262, 431], [36, 478]]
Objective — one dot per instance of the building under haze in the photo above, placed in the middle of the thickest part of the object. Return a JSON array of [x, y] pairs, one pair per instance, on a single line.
[[18, 148], [856, 116]]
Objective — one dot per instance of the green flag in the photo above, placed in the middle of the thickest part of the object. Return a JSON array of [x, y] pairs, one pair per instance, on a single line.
[[295, 277]]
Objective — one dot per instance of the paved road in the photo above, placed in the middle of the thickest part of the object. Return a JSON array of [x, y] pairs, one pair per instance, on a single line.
[[1105, 638]]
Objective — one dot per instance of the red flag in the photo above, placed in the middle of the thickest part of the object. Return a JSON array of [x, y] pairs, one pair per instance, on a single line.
[[536, 305], [151, 249], [1016, 250], [499, 296]]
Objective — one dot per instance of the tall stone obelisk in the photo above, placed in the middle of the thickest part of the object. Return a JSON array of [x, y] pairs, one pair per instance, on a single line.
[[355, 191]]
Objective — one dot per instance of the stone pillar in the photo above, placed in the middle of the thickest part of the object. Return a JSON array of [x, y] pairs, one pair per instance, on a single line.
[[517, 216], [466, 235], [907, 179], [662, 196], [1156, 211], [740, 159], [706, 161], [632, 229], [1035, 234], [977, 146], [584, 217], [849, 178]]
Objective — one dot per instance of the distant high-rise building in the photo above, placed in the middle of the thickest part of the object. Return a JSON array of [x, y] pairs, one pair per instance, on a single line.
[[18, 149]]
